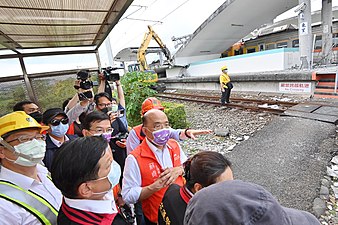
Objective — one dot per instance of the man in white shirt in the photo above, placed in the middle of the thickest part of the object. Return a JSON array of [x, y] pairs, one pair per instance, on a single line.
[[85, 171], [152, 166], [27, 195]]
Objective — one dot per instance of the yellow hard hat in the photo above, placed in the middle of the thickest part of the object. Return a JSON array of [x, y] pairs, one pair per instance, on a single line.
[[224, 68], [18, 120]]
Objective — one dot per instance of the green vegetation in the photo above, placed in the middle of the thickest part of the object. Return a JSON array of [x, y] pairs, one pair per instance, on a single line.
[[9, 96], [52, 92], [135, 91], [176, 115]]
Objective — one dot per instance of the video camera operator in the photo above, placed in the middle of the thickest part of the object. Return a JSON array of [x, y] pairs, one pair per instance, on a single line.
[[81, 103], [105, 77], [115, 109]]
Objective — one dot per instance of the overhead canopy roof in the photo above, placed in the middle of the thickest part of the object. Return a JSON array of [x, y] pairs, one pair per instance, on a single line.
[[233, 20], [26, 24]]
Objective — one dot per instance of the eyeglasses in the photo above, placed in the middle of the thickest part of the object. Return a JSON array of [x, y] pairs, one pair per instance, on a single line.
[[57, 122], [104, 105], [25, 138], [101, 130]]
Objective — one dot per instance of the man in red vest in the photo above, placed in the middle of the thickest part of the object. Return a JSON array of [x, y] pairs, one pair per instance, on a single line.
[[152, 166]]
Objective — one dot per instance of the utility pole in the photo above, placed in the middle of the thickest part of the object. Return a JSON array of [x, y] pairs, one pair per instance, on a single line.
[[327, 31], [305, 33]]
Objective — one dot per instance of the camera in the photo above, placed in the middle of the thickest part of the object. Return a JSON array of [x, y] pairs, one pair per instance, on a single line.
[[85, 82], [108, 75], [120, 113], [127, 214], [120, 136], [85, 95]]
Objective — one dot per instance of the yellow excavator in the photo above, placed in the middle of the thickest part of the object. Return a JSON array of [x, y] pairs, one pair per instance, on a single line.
[[142, 51]]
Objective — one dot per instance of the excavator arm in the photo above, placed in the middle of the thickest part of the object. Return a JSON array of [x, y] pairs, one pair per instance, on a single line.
[[141, 54]]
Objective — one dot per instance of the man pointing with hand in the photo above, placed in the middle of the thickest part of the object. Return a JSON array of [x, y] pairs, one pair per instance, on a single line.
[[152, 166]]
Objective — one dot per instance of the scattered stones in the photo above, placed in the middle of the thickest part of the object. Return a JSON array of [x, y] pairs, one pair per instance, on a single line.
[[319, 207], [232, 126], [222, 132], [240, 139]]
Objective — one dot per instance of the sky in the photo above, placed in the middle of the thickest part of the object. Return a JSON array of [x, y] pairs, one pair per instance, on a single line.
[[168, 18], [179, 18]]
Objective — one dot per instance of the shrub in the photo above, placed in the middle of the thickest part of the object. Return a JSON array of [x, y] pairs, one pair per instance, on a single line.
[[136, 89], [176, 115]]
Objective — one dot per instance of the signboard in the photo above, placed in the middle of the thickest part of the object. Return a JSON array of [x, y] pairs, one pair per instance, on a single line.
[[299, 87], [303, 28]]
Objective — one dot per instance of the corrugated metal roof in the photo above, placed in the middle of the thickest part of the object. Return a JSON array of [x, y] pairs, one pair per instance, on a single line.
[[57, 23]]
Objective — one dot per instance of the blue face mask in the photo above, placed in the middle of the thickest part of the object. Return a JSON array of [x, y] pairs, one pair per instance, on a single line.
[[114, 174], [113, 177], [59, 130]]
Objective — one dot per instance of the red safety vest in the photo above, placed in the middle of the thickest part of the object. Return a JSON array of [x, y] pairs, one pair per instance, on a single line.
[[71, 129], [138, 131], [150, 170]]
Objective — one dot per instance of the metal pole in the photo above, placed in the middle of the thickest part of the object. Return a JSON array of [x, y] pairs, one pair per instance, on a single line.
[[27, 81], [305, 33], [327, 31], [98, 59], [109, 51]]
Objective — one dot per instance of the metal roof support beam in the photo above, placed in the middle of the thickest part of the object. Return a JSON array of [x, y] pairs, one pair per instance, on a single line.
[[98, 59], [35, 54], [27, 81]]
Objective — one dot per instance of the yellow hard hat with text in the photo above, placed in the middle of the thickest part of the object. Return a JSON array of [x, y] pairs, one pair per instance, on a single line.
[[18, 120]]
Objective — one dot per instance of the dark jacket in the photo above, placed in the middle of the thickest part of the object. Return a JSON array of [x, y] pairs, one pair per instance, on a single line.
[[173, 205], [119, 154], [50, 150]]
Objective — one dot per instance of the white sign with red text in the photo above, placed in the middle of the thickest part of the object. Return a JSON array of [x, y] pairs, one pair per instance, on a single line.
[[300, 87]]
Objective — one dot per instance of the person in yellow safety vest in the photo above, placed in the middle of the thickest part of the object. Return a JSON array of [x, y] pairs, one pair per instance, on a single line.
[[27, 195], [226, 85]]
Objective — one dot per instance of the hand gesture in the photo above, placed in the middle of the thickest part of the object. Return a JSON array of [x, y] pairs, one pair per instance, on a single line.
[[190, 133], [122, 143], [171, 174], [101, 76]]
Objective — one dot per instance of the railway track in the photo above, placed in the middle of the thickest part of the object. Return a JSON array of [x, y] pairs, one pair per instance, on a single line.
[[275, 107]]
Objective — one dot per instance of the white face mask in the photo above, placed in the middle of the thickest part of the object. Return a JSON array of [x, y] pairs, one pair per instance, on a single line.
[[30, 153]]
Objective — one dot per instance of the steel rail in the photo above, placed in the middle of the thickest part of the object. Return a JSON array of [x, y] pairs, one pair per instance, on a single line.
[[232, 105], [271, 102]]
